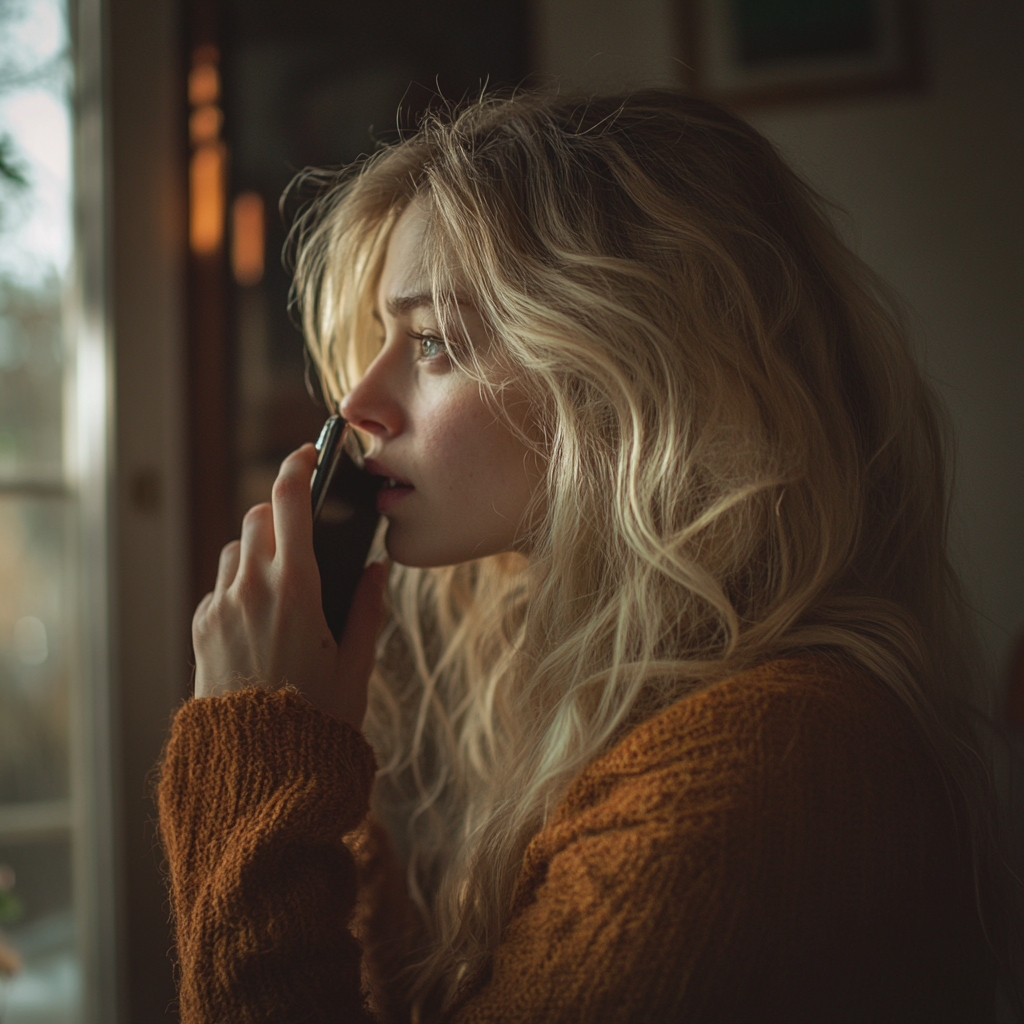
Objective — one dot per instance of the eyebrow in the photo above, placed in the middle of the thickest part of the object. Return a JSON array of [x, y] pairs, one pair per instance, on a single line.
[[407, 303], [399, 304]]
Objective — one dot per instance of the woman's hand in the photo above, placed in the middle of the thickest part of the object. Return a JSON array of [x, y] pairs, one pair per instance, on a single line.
[[263, 624]]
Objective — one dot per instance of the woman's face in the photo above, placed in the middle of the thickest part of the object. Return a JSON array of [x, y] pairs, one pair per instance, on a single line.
[[464, 478]]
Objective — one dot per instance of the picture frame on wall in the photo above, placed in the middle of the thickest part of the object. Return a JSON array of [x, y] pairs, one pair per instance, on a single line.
[[755, 52]]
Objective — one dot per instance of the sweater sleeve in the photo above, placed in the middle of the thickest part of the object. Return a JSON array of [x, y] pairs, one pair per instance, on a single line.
[[256, 791]]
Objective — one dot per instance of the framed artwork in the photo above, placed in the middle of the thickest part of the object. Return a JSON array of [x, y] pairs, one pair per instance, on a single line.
[[751, 52]]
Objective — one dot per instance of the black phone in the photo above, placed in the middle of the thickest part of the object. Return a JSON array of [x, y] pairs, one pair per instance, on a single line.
[[345, 518]]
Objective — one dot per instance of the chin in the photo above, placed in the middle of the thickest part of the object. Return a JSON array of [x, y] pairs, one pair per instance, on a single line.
[[406, 551], [423, 553]]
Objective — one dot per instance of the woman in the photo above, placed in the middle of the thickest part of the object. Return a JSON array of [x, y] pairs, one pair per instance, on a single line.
[[670, 716]]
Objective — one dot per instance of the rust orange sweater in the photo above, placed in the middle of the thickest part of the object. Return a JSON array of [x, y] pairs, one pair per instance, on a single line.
[[778, 847]]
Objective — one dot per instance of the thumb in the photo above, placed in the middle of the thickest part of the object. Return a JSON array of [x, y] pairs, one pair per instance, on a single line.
[[369, 609], [358, 648]]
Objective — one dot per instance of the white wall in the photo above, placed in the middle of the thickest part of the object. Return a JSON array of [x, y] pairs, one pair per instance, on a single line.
[[934, 188]]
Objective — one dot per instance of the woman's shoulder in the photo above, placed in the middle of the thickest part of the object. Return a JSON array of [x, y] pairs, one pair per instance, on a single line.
[[792, 737], [776, 846], [800, 703], [781, 842]]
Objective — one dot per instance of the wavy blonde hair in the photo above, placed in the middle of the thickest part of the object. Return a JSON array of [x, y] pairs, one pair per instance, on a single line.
[[743, 462]]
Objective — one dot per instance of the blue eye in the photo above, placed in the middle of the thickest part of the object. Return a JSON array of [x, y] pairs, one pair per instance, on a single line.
[[431, 346]]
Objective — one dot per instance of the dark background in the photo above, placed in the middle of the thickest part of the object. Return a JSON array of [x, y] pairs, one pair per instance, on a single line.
[[314, 83]]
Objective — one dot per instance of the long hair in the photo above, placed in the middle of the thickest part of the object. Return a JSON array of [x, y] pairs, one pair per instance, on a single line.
[[743, 462]]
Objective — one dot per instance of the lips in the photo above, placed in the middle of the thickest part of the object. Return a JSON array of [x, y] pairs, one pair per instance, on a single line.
[[392, 479], [396, 487]]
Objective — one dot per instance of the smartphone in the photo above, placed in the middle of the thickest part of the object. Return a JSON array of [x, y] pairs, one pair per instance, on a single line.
[[345, 518]]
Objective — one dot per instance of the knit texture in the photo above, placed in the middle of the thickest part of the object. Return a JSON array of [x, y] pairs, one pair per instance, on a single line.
[[257, 790], [778, 847]]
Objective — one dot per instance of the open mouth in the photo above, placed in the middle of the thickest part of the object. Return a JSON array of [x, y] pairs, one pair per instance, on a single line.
[[391, 480], [393, 489], [392, 492]]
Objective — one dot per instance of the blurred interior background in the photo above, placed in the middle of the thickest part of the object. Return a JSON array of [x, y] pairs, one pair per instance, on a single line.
[[151, 379]]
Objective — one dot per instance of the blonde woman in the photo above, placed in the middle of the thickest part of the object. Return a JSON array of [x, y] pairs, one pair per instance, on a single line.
[[668, 717]]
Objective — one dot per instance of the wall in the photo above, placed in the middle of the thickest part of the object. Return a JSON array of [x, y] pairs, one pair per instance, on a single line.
[[932, 187], [151, 652]]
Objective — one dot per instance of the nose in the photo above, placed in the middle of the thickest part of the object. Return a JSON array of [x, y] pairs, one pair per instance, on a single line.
[[373, 404]]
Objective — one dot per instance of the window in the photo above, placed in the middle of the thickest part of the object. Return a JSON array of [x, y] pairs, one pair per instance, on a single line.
[[52, 414]]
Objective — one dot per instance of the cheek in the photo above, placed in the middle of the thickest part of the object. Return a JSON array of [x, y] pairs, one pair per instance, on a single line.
[[462, 439]]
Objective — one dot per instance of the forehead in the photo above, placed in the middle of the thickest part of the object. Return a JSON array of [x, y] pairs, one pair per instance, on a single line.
[[405, 265]]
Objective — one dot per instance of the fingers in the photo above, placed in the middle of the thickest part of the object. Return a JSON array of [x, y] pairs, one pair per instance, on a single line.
[[257, 546], [264, 620], [293, 515], [281, 530], [199, 616], [227, 567]]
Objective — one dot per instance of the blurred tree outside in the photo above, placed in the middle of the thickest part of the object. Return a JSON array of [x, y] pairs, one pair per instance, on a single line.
[[37, 511]]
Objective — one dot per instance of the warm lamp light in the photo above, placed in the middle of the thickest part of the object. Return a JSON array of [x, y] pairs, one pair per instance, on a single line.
[[206, 181], [203, 84], [204, 124], [247, 238]]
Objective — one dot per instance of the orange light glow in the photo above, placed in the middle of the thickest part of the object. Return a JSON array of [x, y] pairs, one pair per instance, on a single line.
[[206, 214], [247, 238], [203, 83], [204, 124]]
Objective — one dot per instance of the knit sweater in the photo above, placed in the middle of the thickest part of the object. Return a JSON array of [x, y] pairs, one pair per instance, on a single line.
[[777, 847]]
